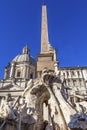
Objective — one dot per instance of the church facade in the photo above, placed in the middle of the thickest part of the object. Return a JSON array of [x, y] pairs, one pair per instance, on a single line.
[[41, 94]]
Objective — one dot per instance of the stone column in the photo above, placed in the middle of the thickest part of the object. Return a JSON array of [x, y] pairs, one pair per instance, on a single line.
[[56, 67], [54, 55], [26, 71], [12, 70], [5, 73]]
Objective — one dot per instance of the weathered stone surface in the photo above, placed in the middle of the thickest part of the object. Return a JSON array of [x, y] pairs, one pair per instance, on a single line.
[[44, 97]]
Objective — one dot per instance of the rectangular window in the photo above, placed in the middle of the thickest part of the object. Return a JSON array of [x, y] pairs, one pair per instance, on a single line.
[[69, 82], [73, 74], [18, 74], [31, 76], [67, 73], [64, 74], [78, 73], [74, 82], [81, 82]]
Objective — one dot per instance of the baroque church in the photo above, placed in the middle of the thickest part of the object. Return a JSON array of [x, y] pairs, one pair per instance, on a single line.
[[41, 95]]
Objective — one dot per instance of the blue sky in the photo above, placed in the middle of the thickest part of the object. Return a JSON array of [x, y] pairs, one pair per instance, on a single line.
[[20, 23]]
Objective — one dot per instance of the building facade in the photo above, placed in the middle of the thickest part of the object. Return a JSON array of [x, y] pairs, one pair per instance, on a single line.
[[41, 95]]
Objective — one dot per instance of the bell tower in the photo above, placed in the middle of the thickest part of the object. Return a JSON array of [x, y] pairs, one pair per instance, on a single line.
[[47, 56]]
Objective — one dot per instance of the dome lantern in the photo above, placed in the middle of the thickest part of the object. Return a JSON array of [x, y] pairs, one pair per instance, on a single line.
[[26, 50]]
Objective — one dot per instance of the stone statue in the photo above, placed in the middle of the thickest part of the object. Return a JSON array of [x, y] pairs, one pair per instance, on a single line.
[[6, 108], [49, 127], [29, 107]]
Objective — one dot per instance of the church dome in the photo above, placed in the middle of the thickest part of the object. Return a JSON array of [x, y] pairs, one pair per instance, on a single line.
[[21, 58], [24, 57]]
